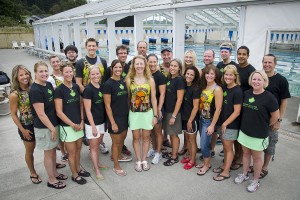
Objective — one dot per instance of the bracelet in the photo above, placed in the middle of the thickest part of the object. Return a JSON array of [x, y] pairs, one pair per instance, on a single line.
[[156, 116], [173, 116]]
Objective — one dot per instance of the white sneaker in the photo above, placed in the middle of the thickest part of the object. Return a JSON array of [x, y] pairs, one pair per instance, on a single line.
[[240, 178], [151, 153], [253, 186], [157, 158], [103, 149]]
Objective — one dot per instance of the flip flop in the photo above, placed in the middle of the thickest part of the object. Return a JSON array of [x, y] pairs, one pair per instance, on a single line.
[[222, 177], [57, 185], [119, 172], [36, 178], [202, 172], [61, 177], [236, 166], [59, 165], [218, 170], [263, 173]]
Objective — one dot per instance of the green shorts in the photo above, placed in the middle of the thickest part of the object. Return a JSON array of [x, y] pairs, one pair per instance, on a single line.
[[43, 138], [68, 134], [140, 120], [257, 144]]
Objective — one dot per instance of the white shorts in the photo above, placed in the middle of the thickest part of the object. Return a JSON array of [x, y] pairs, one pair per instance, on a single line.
[[89, 131]]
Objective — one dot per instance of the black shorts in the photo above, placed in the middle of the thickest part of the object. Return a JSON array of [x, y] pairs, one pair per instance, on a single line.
[[194, 126], [28, 127], [122, 123]]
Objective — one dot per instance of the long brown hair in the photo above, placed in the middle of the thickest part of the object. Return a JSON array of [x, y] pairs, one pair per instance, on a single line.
[[205, 70], [132, 72], [14, 77]]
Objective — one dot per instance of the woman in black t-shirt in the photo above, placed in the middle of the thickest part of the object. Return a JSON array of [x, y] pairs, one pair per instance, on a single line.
[[69, 109], [172, 123], [189, 110], [41, 96], [95, 117], [160, 84], [116, 104], [260, 110], [229, 122]]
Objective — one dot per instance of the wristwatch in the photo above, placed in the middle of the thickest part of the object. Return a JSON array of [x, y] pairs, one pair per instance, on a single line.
[[156, 116], [279, 120]]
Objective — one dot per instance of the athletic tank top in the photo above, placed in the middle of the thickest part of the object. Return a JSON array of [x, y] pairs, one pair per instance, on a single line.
[[140, 97], [86, 69], [163, 70], [57, 81], [24, 108], [207, 103]]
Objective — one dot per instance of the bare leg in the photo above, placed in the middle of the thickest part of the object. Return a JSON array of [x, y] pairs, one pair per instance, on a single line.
[[116, 145], [246, 159], [29, 159], [159, 137], [267, 159], [71, 148], [50, 164], [137, 143], [175, 141], [94, 152], [213, 141], [257, 163], [146, 143], [192, 146], [228, 156]]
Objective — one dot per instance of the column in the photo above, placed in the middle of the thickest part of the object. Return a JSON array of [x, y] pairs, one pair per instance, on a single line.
[[90, 27], [111, 37], [138, 30], [55, 35], [76, 26], [66, 34], [178, 33]]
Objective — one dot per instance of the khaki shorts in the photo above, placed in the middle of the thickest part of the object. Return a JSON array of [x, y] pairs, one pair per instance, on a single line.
[[43, 138], [175, 129]]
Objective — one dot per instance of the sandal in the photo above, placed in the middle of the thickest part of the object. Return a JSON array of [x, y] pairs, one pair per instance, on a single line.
[[38, 180], [84, 173], [59, 165], [57, 185], [167, 155], [189, 165], [221, 177], [166, 143], [251, 169], [263, 173], [199, 166], [80, 181], [145, 165], [171, 161], [61, 177], [182, 151], [201, 172], [218, 170], [119, 172], [138, 166], [185, 160], [236, 166]]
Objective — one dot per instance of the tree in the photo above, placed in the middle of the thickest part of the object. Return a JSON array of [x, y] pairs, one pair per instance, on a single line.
[[64, 5]]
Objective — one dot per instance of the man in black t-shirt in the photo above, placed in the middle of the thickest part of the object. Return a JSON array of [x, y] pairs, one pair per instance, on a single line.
[[279, 87], [71, 53], [122, 53], [244, 68], [225, 52], [82, 65]]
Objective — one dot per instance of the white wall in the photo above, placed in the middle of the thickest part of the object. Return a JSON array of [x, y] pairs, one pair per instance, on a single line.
[[259, 19]]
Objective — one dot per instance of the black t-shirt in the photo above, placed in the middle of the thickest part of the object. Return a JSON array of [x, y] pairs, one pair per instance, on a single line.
[[244, 73], [45, 95], [81, 73], [107, 74], [70, 102], [190, 94], [221, 66], [256, 113], [119, 96], [97, 104], [279, 87], [159, 80], [173, 84], [231, 96]]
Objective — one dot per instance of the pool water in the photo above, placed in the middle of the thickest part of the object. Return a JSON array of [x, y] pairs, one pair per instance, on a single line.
[[288, 62]]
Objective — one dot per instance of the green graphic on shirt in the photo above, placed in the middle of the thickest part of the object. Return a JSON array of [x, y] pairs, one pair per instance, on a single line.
[[222, 70], [123, 74], [72, 93], [251, 100], [168, 83], [100, 94], [225, 93], [49, 91], [121, 87]]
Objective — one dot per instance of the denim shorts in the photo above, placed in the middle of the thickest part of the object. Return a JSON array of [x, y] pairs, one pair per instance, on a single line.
[[230, 134], [273, 139]]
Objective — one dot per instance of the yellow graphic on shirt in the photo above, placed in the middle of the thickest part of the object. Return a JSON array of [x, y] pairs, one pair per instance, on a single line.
[[140, 97], [86, 69], [205, 102]]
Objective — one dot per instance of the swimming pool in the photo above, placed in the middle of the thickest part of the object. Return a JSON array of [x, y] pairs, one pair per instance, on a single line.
[[288, 62]]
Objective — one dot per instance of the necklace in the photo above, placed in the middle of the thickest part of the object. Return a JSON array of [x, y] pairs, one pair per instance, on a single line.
[[72, 93]]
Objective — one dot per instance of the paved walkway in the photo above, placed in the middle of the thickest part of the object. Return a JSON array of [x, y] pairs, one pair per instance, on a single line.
[[159, 183]]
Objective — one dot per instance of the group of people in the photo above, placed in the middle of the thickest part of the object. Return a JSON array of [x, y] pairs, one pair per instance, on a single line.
[[155, 102]]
